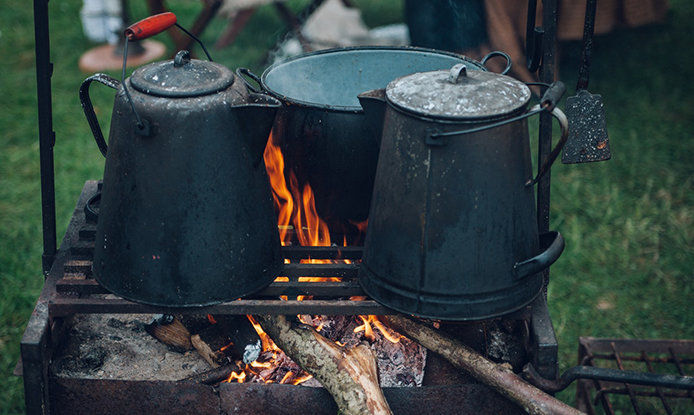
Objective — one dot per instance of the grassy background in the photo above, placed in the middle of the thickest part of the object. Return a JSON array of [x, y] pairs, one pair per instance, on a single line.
[[629, 263]]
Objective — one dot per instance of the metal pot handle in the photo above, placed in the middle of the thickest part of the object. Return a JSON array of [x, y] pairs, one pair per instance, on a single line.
[[88, 108], [552, 245], [242, 72], [548, 102], [490, 55], [564, 124]]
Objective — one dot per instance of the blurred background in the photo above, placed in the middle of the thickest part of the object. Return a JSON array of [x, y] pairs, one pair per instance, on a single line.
[[628, 268]]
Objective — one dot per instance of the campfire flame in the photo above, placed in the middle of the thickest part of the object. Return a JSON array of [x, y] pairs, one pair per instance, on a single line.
[[297, 211], [369, 333]]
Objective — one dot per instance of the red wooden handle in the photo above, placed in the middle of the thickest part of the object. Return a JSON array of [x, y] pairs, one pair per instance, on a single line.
[[150, 26]]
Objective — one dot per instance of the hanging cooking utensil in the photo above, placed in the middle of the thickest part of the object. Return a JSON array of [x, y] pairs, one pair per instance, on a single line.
[[533, 39], [588, 140]]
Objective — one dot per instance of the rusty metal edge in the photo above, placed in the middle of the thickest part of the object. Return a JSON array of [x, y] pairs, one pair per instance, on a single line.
[[35, 352], [65, 306], [85, 396], [318, 289], [543, 339], [602, 345]]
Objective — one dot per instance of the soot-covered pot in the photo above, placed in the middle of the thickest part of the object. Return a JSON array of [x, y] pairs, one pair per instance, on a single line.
[[453, 231], [186, 215]]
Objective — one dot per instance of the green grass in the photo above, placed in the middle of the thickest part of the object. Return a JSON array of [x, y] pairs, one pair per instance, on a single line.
[[628, 269]]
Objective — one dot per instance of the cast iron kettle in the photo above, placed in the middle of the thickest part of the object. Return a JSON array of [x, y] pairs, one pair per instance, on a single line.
[[452, 230], [186, 214]]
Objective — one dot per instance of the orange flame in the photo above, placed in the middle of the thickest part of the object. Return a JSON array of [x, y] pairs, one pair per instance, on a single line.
[[369, 333], [266, 341], [239, 377], [223, 348], [297, 211], [287, 376], [293, 208], [274, 165], [366, 328], [301, 379]]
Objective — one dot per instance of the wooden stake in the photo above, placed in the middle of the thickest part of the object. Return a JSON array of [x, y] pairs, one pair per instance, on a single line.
[[499, 377]]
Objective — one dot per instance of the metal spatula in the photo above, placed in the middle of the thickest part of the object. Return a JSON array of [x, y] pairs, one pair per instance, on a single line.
[[588, 140]]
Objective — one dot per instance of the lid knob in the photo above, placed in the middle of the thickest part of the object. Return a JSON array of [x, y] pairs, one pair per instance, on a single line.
[[457, 73], [181, 58]]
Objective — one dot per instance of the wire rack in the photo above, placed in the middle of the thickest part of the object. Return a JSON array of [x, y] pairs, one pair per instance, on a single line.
[[654, 356]]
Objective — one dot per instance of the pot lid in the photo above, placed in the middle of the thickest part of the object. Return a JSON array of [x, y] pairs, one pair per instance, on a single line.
[[458, 94], [182, 77]]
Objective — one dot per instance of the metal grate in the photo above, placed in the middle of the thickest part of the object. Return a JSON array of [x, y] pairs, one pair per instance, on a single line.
[[654, 356], [77, 292]]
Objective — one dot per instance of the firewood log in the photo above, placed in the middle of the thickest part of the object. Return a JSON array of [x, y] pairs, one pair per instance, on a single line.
[[350, 375], [212, 357], [170, 331], [499, 377]]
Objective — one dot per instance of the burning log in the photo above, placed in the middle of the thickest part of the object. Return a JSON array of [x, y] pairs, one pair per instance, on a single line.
[[212, 376], [350, 375], [499, 377]]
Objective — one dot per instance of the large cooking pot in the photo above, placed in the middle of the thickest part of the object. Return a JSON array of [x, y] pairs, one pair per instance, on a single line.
[[453, 232], [325, 137], [186, 215]]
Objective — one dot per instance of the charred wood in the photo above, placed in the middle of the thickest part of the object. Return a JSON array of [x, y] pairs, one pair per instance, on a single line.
[[212, 376]]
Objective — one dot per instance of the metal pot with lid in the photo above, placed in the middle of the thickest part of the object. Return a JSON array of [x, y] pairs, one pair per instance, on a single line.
[[186, 214], [452, 230]]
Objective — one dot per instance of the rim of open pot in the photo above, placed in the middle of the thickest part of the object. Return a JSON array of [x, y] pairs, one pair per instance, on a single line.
[[357, 109]]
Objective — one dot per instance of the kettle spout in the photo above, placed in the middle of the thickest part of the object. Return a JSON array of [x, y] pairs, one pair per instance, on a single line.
[[256, 117], [374, 104]]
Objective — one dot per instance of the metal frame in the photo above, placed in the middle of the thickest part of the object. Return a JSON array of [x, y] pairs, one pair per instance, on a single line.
[[43, 328], [677, 354], [69, 290], [44, 71]]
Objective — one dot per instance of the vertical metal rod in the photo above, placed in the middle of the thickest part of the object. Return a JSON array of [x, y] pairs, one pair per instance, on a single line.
[[547, 70], [44, 71], [588, 356], [630, 391], [680, 370], [602, 396], [657, 389]]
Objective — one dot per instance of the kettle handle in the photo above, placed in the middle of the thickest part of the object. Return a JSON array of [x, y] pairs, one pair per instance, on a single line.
[[243, 72], [490, 55], [564, 124], [552, 245], [88, 108]]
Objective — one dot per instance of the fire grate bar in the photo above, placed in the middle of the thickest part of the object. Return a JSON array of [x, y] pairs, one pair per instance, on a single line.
[[641, 355], [77, 292], [291, 288], [64, 306], [292, 271]]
